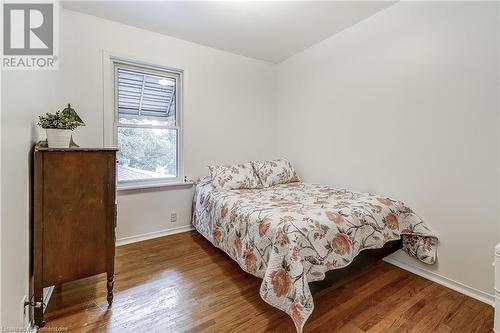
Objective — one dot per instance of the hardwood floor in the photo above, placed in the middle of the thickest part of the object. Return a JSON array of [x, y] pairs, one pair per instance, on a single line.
[[181, 283]]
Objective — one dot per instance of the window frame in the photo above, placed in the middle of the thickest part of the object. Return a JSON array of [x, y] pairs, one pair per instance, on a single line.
[[176, 74]]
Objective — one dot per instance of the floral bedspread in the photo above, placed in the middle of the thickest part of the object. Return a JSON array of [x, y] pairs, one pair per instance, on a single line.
[[291, 234]]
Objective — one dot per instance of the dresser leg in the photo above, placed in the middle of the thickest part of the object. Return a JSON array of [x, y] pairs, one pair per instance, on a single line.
[[39, 318], [110, 284]]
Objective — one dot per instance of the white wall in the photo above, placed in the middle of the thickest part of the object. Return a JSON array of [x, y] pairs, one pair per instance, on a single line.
[[227, 109], [405, 104], [19, 107], [0, 200]]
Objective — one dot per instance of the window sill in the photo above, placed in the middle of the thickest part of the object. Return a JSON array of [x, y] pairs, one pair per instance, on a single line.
[[139, 186]]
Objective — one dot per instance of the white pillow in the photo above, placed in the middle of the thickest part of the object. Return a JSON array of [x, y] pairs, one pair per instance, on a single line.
[[275, 172], [236, 176]]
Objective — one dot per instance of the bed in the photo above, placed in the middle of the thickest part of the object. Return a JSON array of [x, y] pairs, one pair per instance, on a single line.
[[292, 234]]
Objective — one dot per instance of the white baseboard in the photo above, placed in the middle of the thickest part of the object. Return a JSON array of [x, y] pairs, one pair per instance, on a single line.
[[457, 286], [151, 235]]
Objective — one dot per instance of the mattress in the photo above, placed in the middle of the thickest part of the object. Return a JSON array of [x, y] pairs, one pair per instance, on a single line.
[[292, 234]]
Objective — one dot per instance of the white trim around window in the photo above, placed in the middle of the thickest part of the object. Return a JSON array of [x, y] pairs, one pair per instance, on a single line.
[[111, 64]]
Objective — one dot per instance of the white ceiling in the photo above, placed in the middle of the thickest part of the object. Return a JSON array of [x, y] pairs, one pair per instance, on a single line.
[[271, 31]]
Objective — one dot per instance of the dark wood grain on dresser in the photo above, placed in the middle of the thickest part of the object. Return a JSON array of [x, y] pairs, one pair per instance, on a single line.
[[74, 217]]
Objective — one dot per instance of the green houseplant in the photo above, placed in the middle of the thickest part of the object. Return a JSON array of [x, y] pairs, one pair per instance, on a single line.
[[59, 126]]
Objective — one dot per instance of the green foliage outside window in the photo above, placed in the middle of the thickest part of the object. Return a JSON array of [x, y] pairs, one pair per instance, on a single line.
[[148, 149]]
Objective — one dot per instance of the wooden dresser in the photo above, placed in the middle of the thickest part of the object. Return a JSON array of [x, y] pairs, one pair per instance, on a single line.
[[74, 213]]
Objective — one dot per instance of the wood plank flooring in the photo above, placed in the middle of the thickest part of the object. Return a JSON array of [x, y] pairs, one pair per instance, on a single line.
[[181, 283]]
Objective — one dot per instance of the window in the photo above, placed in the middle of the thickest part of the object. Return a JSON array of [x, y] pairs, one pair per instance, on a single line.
[[147, 124]]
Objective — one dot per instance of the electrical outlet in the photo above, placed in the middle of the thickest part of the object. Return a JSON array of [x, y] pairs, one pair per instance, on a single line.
[[25, 312], [173, 217]]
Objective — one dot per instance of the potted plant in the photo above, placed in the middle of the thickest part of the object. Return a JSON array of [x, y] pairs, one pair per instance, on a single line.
[[59, 126]]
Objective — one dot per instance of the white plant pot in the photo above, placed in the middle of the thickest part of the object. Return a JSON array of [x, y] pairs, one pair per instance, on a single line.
[[58, 138]]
